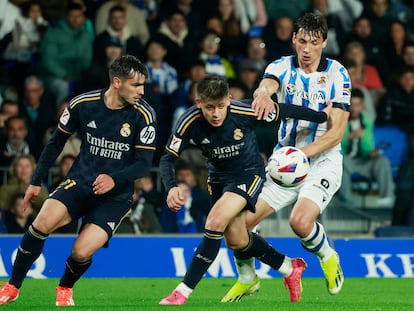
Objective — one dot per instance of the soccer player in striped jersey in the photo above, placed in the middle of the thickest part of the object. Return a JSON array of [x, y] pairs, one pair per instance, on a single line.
[[224, 130], [118, 131], [306, 79]]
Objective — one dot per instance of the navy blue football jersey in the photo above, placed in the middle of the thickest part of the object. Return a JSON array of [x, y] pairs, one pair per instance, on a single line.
[[119, 142], [231, 149]]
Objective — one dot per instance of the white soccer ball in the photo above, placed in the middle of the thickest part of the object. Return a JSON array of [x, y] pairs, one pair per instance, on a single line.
[[288, 166]]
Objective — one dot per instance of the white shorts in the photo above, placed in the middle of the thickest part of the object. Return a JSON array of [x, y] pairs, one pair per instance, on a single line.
[[323, 180]]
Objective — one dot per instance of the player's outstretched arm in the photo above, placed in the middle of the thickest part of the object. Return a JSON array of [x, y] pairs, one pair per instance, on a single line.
[[302, 113]]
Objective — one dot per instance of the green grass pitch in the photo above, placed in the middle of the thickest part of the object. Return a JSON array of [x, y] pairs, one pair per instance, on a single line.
[[144, 294]]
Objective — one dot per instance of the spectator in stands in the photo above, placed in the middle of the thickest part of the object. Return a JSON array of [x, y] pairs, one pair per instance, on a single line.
[[151, 10], [96, 77], [26, 37], [17, 218], [192, 15], [184, 96], [237, 90], [135, 19], [175, 36], [147, 204], [378, 14], [397, 39], [191, 217], [117, 28], [249, 74], [16, 141], [362, 32], [232, 36], [163, 80], [73, 143], [7, 22], [66, 52], [369, 103], [347, 11], [292, 8], [162, 76], [256, 51], [336, 32], [253, 16], [64, 166], [8, 108], [366, 75], [20, 174], [361, 157], [215, 63], [278, 38], [397, 105], [38, 108]]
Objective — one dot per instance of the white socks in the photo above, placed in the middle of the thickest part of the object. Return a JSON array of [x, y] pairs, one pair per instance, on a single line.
[[184, 289]]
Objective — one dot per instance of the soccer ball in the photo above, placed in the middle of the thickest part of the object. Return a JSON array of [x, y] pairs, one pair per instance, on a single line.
[[288, 166]]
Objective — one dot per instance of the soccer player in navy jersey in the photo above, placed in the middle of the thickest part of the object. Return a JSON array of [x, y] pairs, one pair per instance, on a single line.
[[118, 131], [306, 79], [224, 130]]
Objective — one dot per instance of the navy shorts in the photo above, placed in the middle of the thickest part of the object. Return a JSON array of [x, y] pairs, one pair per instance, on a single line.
[[103, 211], [248, 186]]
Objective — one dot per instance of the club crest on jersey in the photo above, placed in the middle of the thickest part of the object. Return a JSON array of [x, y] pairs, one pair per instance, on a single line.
[[238, 134], [125, 130], [322, 80], [64, 117]]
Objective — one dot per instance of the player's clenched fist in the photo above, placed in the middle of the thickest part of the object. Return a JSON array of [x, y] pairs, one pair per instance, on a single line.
[[177, 196]]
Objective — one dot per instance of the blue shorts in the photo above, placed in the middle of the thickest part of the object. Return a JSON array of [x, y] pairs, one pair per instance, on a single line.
[[102, 210], [248, 186]]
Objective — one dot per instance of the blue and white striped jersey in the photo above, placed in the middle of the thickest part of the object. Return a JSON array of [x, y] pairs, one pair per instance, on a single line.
[[330, 82]]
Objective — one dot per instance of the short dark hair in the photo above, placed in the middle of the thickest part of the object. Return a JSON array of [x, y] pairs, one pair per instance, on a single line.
[[125, 66], [356, 92], [313, 23], [212, 87], [116, 8], [11, 119]]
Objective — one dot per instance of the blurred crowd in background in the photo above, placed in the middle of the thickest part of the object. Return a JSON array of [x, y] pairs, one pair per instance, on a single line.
[[52, 50]]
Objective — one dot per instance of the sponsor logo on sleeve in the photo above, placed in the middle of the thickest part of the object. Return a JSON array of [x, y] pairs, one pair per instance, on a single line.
[[147, 135], [175, 144], [64, 117]]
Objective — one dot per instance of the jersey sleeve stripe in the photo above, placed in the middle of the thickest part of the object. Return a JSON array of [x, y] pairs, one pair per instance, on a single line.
[[63, 130], [84, 98], [242, 110], [172, 152], [148, 116], [186, 122], [145, 147]]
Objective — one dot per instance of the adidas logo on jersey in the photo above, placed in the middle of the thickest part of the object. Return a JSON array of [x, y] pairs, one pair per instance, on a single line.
[[111, 224], [242, 187], [92, 124]]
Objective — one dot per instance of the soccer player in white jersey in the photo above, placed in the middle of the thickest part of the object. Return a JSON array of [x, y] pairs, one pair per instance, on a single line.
[[305, 79]]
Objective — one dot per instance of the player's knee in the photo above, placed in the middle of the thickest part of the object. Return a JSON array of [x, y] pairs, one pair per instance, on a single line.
[[300, 225], [80, 254], [215, 224]]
